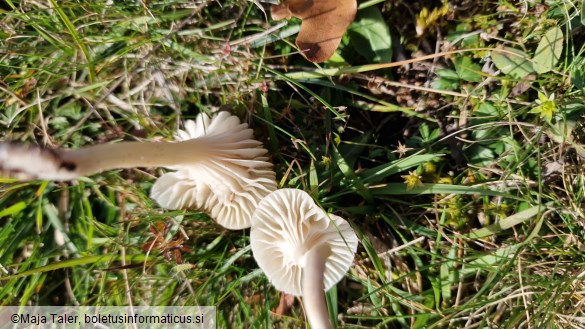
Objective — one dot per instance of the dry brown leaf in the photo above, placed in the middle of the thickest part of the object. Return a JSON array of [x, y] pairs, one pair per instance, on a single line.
[[286, 302], [323, 24]]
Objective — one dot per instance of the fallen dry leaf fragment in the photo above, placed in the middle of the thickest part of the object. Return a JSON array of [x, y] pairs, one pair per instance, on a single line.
[[323, 24], [286, 302]]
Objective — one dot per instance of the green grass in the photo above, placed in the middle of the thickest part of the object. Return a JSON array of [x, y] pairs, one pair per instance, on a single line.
[[491, 236]]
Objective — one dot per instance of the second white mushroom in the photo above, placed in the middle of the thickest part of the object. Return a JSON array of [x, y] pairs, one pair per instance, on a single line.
[[302, 250]]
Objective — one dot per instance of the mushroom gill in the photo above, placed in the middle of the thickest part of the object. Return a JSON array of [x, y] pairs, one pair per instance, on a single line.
[[228, 182]]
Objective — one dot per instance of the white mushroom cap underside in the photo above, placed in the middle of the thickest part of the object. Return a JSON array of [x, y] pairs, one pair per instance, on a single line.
[[229, 183], [286, 224]]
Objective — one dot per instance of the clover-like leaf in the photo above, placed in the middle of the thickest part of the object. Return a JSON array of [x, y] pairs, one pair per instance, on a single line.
[[549, 50], [513, 62]]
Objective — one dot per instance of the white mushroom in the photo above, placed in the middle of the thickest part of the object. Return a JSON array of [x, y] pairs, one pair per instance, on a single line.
[[221, 168], [228, 181], [302, 250]]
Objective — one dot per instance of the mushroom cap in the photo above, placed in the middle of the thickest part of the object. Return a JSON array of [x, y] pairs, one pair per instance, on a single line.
[[285, 226], [229, 182], [324, 22]]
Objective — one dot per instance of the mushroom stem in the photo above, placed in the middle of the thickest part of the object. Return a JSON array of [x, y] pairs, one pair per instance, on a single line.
[[314, 288], [94, 159], [30, 162]]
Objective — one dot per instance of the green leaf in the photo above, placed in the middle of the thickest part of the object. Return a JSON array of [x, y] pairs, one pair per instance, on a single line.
[[350, 175], [549, 50], [332, 303], [370, 36], [275, 36], [505, 223], [467, 70], [487, 109], [512, 62], [447, 276], [75, 262], [582, 11], [375, 299], [490, 262], [447, 74], [313, 180], [13, 210], [374, 259], [376, 174], [480, 155], [429, 188], [578, 71], [445, 84]]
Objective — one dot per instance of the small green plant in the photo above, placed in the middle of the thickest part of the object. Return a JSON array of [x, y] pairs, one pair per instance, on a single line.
[[465, 71], [547, 107]]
